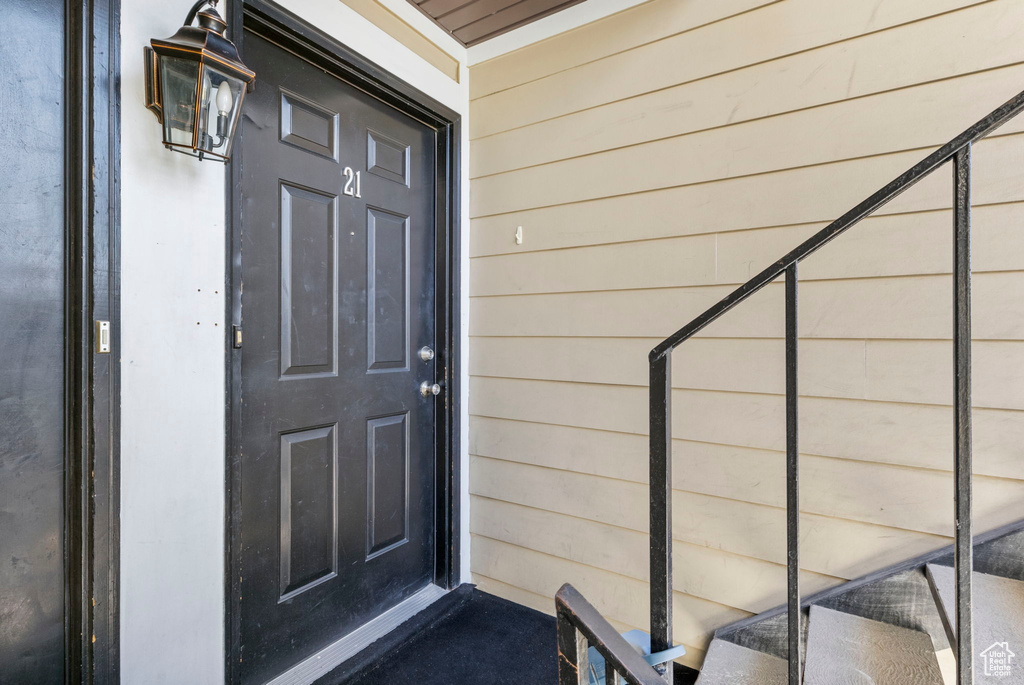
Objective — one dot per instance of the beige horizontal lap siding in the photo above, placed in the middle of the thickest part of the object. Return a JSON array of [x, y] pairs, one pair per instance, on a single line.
[[900, 371], [837, 487], [656, 160], [774, 31]]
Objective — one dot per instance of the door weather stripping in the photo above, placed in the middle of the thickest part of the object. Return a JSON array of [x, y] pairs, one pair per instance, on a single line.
[[324, 661]]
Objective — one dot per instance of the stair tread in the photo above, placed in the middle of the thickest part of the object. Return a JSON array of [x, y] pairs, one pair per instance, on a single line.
[[1001, 556], [903, 599], [843, 649], [998, 604], [767, 635], [727, 663]]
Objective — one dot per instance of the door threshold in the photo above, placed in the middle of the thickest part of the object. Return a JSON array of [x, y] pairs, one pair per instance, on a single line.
[[331, 656]]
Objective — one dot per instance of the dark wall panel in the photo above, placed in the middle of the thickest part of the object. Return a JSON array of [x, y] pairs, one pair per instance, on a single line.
[[32, 284]]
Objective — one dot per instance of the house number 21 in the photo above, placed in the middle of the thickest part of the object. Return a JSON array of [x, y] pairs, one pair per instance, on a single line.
[[352, 184]]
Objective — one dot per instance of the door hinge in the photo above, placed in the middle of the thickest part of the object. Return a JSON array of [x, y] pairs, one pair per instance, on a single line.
[[236, 337]]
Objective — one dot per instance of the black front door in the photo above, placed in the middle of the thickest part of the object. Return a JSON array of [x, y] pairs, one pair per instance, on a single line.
[[32, 285], [337, 463]]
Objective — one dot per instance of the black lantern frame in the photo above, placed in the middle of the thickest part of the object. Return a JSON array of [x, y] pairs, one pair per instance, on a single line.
[[195, 84]]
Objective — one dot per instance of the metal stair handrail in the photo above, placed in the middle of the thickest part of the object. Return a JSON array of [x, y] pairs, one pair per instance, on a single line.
[[959, 151], [576, 619]]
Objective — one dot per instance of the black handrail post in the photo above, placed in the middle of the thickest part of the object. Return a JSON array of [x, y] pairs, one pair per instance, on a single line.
[[792, 478], [963, 466], [568, 656], [661, 506]]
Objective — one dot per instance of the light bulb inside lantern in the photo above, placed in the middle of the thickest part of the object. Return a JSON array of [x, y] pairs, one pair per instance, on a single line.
[[224, 99]]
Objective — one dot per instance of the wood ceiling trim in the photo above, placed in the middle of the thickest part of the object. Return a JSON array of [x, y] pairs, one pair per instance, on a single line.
[[519, 14], [474, 21], [475, 11], [437, 9]]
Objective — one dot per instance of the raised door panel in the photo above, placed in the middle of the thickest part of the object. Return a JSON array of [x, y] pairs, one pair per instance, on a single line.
[[309, 520], [309, 282], [387, 291], [387, 487], [387, 158], [308, 125]]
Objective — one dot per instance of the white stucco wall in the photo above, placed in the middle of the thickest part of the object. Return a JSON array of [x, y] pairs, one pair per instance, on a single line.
[[172, 357]]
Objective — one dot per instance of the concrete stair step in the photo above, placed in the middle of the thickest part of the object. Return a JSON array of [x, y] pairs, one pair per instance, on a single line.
[[904, 599], [727, 663], [843, 649], [998, 622], [1002, 556]]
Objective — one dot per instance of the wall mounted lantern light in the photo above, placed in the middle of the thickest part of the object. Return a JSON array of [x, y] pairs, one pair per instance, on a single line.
[[195, 83]]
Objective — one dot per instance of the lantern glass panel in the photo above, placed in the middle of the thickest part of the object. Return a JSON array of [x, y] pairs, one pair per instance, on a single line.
[[178, 79], [218, 113]]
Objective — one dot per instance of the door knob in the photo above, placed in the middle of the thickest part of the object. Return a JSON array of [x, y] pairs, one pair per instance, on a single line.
[[428, 389], [426, 354]]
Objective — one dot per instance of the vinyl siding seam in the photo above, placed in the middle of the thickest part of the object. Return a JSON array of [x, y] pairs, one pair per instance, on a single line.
[[519, 53], [726, 71], [803, 512], [633, 579], [737, 231], [924, 150], [731, 124]]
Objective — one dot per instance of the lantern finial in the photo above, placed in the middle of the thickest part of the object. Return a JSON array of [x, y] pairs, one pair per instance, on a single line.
[[191, 16]]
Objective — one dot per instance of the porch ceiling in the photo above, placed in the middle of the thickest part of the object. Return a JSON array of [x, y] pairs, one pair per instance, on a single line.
[[474, 21]]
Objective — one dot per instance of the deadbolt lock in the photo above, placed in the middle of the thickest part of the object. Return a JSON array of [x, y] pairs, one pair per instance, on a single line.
[[426, 354]]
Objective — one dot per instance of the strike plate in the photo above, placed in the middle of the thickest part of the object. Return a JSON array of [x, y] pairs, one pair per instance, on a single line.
[[102, 337]]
